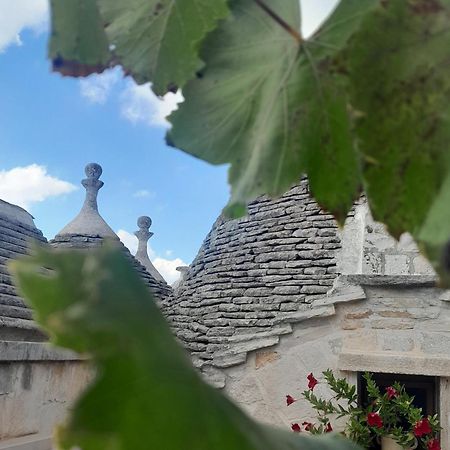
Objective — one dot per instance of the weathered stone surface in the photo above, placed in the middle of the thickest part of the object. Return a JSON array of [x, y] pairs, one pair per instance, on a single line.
[[266, 357], [396, 265], [17, 229], [392, 280], [257, 271], [341, 295]]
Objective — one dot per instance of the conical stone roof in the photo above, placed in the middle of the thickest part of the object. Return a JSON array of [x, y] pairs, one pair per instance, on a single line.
[[254, 276], [89, 229], [17, 231]]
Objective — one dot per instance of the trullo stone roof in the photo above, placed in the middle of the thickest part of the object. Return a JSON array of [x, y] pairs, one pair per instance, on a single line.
[[89, 229], [17, 230], [254, 276]]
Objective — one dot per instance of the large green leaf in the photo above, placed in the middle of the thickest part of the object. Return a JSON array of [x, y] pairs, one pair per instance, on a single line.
[[398, 64], [158, 40], [146, 394], [78, 44], [434, 235], [155, 41], [274, 108]]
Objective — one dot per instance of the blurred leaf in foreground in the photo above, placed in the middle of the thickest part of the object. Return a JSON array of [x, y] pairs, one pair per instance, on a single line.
[[404, 125], [273, 107], [78, 45], [146, 394], [158, 40]]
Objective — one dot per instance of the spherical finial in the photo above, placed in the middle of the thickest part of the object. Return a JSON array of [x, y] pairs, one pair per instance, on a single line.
[[144, 222], [93, 170]]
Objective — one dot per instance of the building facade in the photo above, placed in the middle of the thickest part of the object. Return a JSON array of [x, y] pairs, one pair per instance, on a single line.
[[38, 383], [268, 299]]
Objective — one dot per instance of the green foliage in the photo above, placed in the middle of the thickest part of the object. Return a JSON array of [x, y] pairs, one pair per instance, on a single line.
[[404, 126], [272, 108], [373, 391], [344, 403], [146, 394], [78, 44], [390, 414], [341, 387], [363, 102], [158, 40]]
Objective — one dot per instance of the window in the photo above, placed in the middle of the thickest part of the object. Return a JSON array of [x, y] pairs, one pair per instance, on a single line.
[[424, 389]]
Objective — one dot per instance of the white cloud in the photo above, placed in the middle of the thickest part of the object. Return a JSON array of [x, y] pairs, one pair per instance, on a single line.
[[166, 267], [24, 186], [314, 13], [17, 15], [129, 240], [140, 104], [97, 88], [144, 193]]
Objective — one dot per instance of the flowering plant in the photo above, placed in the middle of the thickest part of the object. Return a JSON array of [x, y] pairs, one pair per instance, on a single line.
[[390, 413]]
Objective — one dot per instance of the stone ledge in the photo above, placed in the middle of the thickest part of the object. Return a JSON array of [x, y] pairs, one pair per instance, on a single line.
[[249, 346], [404, 281], [341, 295], [275, 331], [32, 442], [229, 360], [392, 362], [34, 351], [299, 316], [12, 322]]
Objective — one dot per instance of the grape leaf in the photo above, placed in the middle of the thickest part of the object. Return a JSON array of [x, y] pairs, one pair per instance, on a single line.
[[78, 45], [146, 393], [158, 40], [434, 235], [274, 108], [404, 118]]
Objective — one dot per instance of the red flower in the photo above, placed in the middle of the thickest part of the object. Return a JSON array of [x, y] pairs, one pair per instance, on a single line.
[[422, 427], [374, 420], [328, 428], [391, 392], [311, 381], [296, 427], [290, 400], [433, 444], [308, 426]]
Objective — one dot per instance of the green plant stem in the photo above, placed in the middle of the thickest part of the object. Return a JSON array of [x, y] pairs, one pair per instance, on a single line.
[[294, 33]]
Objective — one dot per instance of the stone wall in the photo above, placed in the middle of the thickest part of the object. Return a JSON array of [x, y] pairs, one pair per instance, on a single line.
[[37, 386], [395, 325], [367, 248]]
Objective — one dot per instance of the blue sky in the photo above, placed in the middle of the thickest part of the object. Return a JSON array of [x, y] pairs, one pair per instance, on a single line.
[[45, 120], [51, 126]]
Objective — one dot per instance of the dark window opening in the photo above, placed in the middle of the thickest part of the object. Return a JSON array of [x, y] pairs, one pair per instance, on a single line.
[[424, 389]]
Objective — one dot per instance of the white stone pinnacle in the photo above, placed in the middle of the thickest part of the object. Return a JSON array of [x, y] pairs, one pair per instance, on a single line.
[[143, 235], [89, 222]]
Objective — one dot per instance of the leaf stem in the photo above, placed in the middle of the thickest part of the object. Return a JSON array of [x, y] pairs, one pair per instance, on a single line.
[[294, 33]]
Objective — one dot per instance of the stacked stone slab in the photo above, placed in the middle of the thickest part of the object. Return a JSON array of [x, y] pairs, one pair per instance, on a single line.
[[81, 241], [253, 276], [17, 230]]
